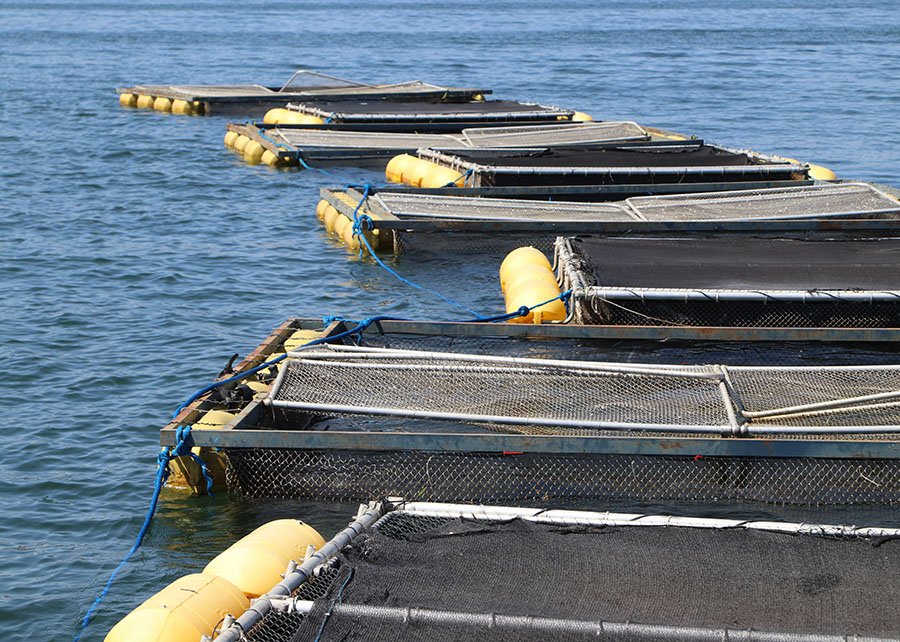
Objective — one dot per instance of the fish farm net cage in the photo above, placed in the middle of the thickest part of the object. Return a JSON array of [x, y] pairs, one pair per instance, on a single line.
[[414, 570], [349, 423], [325, 144], [642, 162], [426, 112], [769, 281], [434, 222]]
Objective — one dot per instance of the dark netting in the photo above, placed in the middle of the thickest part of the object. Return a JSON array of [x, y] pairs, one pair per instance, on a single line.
[[484, 245], [279, 626], [560, 480], [737, 580], [717, 262], [608, 310], [358, 110], [647, 155]]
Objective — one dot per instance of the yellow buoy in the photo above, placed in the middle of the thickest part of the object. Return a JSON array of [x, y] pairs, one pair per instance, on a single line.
[[255, 563], [349, 238], [478, 98], [581, 117], [526, 275], [531, 293], [330, 218], [182, 107], [144, 102], [270, 159], [275, 116], [440, 176], [821, 173], [162, 104], [518, 260], [320, 209], [128, 100], [230, 138], [188, 608], [296, 118], [341, 223], [253, 152], [241, 143], [396, 166], [414, 170]]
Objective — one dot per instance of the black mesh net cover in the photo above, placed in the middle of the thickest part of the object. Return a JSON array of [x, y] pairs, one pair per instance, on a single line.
[[692, 155], [682, 577], [764, 262]]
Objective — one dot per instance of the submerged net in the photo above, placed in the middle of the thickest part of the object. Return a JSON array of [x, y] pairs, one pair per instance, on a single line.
[[490, 580]]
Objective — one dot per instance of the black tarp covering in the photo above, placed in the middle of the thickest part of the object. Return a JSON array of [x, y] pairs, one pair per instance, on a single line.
[[362, 107], [735, 579], [717, 262], [647, 155]]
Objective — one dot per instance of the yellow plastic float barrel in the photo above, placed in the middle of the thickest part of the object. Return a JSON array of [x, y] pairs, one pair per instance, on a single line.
[[821, 173], [190, 607], [290, 117], [520, 259], [230, 139], [330, 218], [581, 117], [128, 100], [162, 104], [215, 419], [241, 143], [527, 279], [341, 223], [253, 152], [320, 209], [275, 116], [257, 562], [396, 166], [182, 107], [271, 159], [144, 102], [440, 176]]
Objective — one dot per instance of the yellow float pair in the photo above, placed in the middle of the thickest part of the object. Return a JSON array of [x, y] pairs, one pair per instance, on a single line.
[[194, 605], [527, 279], [419, 172]]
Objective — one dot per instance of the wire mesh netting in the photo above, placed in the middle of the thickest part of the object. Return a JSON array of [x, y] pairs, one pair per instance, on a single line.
[[779, 203], [539, 135], [559, 480], [495, 209], [419, 576], [555, 394]]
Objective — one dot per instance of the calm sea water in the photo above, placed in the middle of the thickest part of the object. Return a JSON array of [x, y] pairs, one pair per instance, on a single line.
[[138, 253]]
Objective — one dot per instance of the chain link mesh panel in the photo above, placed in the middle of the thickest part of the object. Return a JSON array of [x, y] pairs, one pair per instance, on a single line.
[[719, 312], [560, 480]]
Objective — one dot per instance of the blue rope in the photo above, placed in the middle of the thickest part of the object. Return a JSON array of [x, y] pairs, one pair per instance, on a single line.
[[524, 310], [181, 449], [465, 177], [359, 222], [162, 473]]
